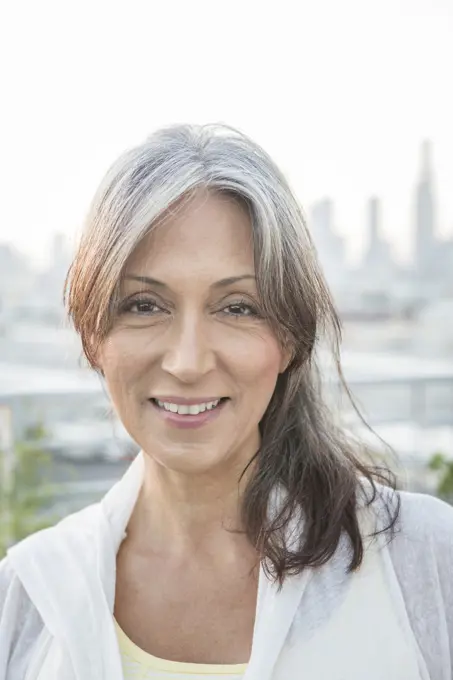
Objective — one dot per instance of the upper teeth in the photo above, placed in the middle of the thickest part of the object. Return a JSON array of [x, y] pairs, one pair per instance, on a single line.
[[188, 409]]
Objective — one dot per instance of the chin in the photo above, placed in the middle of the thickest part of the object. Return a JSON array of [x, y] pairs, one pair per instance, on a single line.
[[191, 460]]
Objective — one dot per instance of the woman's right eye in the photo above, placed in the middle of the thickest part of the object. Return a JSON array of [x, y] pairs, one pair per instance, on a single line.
[[141, 307]]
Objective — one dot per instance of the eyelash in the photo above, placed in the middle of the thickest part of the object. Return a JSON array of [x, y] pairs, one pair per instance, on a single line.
[[128, 305]]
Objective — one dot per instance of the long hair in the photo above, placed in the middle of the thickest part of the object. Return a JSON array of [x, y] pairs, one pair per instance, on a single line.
[[303, 450]]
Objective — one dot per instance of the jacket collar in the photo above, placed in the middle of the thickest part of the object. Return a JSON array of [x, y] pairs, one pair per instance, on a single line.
[[115, 511]]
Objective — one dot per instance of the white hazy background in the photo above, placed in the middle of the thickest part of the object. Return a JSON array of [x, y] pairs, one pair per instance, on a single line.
[[340, 93]]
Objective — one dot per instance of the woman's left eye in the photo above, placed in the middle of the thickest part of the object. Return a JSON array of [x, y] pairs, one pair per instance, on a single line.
[[240, 309]]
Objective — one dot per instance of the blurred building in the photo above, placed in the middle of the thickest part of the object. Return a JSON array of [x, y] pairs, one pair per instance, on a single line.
[[38, 395], [426, 242], [433, 334], [31, 342], [378, 260], [330, 245], [16, 281], [370, 286], [50, 283]]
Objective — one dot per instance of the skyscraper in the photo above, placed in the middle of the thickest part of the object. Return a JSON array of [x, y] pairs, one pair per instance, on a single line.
[[330, 245], [425, 236], [374, 215], [378, 259]]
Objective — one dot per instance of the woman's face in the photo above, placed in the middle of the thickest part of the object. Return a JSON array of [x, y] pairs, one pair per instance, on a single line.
[[190, 363]]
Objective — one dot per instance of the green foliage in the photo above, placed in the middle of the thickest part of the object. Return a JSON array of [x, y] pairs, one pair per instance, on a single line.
[[35, 433], [25, 508], [444, 468]]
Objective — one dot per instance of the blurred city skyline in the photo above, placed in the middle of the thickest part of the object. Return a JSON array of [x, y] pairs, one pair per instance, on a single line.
[[341, 95]]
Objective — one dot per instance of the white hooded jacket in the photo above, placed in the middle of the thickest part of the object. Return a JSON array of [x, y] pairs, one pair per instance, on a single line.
[[391, 619]]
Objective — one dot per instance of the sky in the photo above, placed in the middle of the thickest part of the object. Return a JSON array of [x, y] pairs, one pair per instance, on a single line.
[[340, 93]]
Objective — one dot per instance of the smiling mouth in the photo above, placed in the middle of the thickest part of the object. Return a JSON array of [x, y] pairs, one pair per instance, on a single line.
[[189, 409]]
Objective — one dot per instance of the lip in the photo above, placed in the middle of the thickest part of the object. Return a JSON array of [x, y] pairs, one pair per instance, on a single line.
[[188, 422]]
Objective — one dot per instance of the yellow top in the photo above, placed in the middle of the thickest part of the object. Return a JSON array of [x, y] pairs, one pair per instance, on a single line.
[[139, 665]]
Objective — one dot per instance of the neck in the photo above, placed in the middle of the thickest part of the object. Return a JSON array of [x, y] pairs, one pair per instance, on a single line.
[[182, 513]]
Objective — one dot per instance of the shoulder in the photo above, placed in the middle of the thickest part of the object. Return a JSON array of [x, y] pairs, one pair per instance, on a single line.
[[425, 520], [420, 518], [421, 547], [422, 525], [423, 510]]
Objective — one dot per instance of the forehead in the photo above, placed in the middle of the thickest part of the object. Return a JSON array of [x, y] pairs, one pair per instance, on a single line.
[[208, 232]]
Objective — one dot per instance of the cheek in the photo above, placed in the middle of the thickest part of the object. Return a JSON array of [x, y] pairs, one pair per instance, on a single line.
[[258, 362], [120, 363]]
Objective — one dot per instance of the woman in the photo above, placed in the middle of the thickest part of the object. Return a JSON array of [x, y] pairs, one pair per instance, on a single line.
[[249, 539]]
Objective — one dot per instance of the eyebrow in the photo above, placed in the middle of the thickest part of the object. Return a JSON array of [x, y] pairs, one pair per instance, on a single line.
[[218, 284]]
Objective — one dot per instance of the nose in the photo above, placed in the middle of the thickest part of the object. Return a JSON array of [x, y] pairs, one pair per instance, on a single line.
[[188, 355]]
